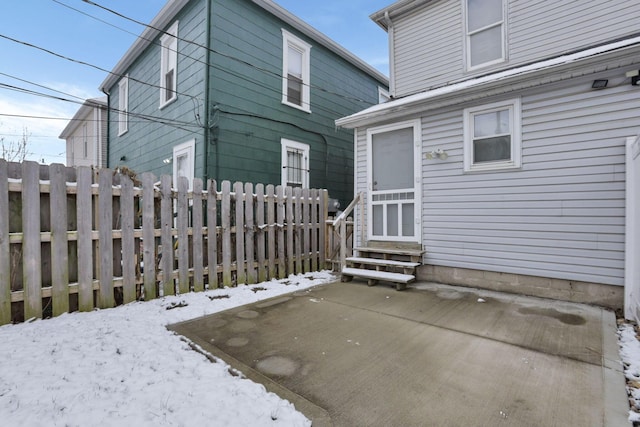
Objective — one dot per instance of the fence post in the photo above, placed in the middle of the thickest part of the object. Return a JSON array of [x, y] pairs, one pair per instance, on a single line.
[[59, 241], [249, 233], [5, 249], [262, 232]]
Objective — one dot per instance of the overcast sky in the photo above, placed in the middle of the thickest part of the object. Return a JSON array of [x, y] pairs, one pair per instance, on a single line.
[[55, 25]]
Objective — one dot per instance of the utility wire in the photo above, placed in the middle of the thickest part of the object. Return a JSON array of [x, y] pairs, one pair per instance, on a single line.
[[264, 70]]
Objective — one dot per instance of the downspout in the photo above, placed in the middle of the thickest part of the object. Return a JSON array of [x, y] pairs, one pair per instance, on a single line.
[[207, 134], [392, 62]]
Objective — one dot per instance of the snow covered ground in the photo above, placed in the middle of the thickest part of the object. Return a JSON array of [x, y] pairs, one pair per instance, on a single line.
[[630, 355], [123, 367]]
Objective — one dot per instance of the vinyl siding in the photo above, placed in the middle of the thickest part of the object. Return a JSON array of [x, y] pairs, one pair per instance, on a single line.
[[428, 47], [562, 215], [429, 43], [147, 143], [252, 119]]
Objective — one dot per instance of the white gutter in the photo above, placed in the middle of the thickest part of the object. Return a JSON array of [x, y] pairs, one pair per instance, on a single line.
[[555, 69]]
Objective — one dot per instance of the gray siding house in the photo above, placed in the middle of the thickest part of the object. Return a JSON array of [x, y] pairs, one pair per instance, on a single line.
[[238, 90], [502, 153], [86, 134]]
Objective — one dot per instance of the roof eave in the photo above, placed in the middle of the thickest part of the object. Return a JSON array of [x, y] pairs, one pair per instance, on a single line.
[[393, 11], [491, 85], [84, 109]]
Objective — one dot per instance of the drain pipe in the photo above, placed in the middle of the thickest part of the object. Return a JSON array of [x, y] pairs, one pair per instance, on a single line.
[[390, 32]]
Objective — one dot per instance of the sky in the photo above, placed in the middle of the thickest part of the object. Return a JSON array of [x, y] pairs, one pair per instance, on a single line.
[[87, 33]]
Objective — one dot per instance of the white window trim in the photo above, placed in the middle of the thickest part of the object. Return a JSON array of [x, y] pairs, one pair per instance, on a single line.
[[166, 41], [467, 38], [383, 95], [515, 118], [188, 148], [286, 144], [123, 105], [289, 39]]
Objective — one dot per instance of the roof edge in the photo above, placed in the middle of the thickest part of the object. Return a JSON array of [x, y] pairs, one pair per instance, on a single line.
[[173, 7], [84, 109], [393, 11]]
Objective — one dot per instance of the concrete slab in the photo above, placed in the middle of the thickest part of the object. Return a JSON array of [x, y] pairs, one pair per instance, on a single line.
[[351, 355]]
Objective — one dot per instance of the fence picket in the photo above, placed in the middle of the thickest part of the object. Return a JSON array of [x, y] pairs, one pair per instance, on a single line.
[[297, 195], [183, 236], [280, 206], [148, 237], [260, 233], [226, 234], [250, 257], [271, 232], [306, 230], [84, 202], [105, 227], [5, 248], [166, 218], [197, 226], [212, 233], [323, 216], [288, 195], [59, 241], [129, 262], [31, 248], [241, 276], [315, 229]]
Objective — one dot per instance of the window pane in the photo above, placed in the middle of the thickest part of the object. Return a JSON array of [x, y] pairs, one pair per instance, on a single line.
[[182, 165], [392, 154], [489, 124], [407, 219], [294, 168], [481, 13], [377, 220], [486, 46], [492, 149], [168, 85], [294, 90], [295, 62], [392, 220]]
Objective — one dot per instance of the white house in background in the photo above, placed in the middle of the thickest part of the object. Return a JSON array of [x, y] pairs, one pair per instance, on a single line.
[[86, 134], [502, 151]]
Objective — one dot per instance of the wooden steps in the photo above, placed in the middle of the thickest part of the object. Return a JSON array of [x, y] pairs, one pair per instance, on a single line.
[[395, 265]]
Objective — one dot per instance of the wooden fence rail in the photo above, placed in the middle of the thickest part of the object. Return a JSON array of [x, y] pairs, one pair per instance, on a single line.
[[77, 239]]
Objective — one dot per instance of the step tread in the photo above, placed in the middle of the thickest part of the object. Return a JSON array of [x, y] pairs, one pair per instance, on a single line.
[[379, 275], [410, 252], [377, 261]]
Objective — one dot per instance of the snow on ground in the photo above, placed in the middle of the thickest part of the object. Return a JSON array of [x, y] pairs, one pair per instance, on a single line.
[[630, 355], [123, 367]]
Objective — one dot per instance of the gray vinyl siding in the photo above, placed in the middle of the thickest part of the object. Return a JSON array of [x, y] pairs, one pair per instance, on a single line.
[[429, 43], [147, 143], [428, 47], [562, 215]]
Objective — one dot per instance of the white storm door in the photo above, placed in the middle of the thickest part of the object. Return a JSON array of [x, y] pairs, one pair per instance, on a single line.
[[394, 182]]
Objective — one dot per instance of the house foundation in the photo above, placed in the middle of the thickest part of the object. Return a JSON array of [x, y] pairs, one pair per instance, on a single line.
[[608, 296]]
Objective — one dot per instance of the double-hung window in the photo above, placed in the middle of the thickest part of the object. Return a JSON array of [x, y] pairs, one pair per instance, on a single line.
[[492, 136], [169, 65], [296, 71], [123, 105], [295, 164], [485, 35]]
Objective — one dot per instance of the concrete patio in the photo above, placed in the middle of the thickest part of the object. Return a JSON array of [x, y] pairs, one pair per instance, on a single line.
[[351, 355]]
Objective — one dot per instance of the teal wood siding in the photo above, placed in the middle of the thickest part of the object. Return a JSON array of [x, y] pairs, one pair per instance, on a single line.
[[247, 115], [148, 142]]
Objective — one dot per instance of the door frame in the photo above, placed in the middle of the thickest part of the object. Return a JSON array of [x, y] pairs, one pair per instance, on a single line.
[[416, 124]]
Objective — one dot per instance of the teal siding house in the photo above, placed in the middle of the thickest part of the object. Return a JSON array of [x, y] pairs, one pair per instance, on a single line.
[[238, 90]]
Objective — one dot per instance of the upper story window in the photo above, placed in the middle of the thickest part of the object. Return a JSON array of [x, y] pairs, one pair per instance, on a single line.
[[84, 141], [492, 136], [169, 65], [295, 164], [123, 105], [296, 72], [485, 32]]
